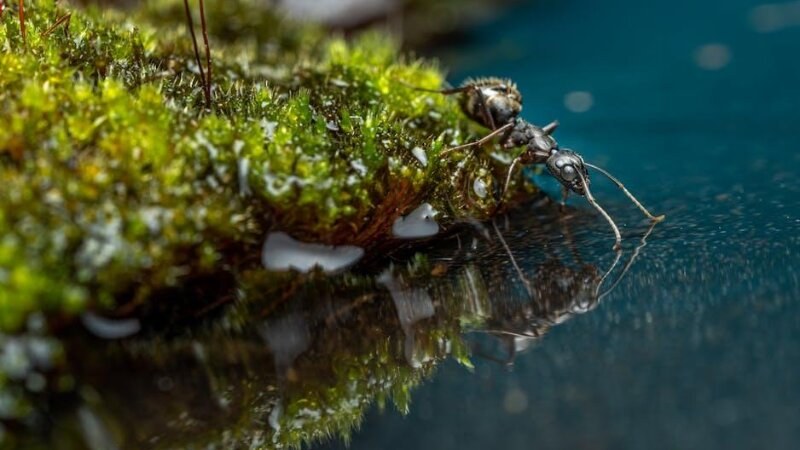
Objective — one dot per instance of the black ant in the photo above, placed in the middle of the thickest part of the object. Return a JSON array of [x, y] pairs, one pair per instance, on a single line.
[[493, 101]]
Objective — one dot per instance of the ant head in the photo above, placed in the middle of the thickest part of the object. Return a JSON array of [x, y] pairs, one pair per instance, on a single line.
[[564, 165]]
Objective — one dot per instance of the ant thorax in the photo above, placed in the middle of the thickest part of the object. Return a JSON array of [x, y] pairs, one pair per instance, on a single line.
[[496, 98], [539, 142]]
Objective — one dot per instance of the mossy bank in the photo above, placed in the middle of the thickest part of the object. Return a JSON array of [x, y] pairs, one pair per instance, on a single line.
[[118, 180]]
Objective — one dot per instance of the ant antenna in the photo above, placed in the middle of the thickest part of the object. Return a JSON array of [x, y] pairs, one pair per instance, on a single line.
[[630, 196], [635, 254], [590, 199], [447, 91]]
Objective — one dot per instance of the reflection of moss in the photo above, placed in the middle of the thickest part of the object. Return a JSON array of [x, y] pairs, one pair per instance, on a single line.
[[309, 368], [227, 388], [117, 183]]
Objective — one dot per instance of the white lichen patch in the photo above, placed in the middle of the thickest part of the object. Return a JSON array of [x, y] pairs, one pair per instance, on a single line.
[[276, 187], [359, 166], [282, 252], [420, 154], [243, 166], [269, 129], [419, 223]]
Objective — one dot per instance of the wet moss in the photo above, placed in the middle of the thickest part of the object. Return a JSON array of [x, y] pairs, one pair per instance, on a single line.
[[119, 182]]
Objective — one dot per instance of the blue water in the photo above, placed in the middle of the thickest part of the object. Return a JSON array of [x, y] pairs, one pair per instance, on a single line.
[[699, 345]]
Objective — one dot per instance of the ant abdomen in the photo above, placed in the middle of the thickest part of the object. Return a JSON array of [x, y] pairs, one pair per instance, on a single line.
[[491, 102]]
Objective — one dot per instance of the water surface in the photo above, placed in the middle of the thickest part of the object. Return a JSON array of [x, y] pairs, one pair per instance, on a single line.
[[695, 106]]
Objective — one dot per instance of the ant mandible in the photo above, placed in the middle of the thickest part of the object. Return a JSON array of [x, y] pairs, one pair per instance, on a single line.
[[496, 103]]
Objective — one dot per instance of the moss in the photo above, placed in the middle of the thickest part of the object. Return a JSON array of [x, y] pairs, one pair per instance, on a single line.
[[307, 369], [118, 182]]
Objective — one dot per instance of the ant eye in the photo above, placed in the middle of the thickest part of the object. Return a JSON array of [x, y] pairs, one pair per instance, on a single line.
[[568, 172], [502, 88]]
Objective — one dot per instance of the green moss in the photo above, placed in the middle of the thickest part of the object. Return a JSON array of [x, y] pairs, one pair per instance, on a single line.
[[118, 182]]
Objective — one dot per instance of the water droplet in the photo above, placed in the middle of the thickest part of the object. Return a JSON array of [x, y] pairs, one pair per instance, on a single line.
[[479, 187]]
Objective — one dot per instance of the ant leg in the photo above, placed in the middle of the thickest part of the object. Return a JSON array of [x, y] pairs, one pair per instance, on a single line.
[[484, 108], [590, 199], [550, 127], [480, 141], [510, 172]]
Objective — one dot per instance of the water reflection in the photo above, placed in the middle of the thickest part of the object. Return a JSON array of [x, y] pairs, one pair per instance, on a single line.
[[310, 367]]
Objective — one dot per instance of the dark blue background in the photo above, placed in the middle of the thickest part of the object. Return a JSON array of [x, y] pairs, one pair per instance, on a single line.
[[699, 346]]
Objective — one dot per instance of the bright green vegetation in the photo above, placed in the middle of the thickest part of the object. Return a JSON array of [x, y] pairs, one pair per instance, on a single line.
[[120, 187], [117, 182]]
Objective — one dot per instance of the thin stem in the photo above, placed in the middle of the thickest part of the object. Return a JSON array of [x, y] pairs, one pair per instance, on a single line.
[[590, 199], [194, 42], [630, 196], [22, 30], [208, 53]]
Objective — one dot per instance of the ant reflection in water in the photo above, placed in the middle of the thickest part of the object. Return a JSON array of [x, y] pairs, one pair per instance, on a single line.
[[555, 293], [496, 104]]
